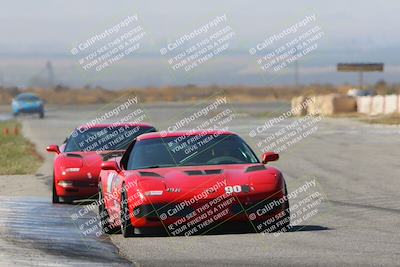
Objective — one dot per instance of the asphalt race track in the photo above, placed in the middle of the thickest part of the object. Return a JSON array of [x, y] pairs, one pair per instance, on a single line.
[[355, 165], [33, 231]]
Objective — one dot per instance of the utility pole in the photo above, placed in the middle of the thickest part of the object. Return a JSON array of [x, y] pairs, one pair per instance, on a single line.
[[1, 79], [361, 80], [50, 74], [296, 72]]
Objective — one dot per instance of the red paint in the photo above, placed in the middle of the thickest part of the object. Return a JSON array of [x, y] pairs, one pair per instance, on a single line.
[[89, 164], [178, 186]]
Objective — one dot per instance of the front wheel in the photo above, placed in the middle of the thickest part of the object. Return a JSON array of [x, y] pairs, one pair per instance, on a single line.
[[106, 227], [55, 198], [282, 223], [41, 115], [127, 228], [286, 218]]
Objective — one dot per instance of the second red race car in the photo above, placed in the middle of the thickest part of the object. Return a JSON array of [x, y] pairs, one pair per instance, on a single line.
[[187, 182], [77, 163]]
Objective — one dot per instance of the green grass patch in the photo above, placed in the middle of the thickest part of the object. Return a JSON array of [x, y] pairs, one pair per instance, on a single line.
[[17, 154]]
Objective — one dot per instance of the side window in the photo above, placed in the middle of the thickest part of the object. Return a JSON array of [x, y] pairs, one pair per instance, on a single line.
[[125, 158]]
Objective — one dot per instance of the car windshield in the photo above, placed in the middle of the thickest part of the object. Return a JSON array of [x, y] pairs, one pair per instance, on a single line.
[[192, 150], [104, 138], [27, 98]]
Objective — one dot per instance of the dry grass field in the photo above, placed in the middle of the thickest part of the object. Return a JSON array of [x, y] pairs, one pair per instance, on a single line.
[[65, 95], [98, 95]]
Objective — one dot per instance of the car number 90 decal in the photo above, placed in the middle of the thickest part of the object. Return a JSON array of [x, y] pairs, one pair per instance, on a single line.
[[231, 189], [237, 189]]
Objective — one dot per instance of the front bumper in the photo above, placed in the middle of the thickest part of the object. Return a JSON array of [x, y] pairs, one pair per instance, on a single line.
[[234, 209], [78, 190]]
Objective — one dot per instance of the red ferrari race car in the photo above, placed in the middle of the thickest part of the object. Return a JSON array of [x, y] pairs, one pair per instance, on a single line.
[[77, 163], [187, 182]]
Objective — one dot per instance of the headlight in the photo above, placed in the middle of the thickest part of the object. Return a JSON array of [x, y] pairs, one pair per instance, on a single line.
[[68, 170], [153, 193], [72, 169], [65, 183]]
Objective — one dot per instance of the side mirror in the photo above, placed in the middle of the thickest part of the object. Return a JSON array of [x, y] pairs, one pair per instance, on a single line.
[[53, 148], [269, 156], [110, 166]]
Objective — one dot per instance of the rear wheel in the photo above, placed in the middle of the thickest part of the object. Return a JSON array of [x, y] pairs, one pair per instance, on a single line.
[[55, 198], [127, 228], [41, 115]]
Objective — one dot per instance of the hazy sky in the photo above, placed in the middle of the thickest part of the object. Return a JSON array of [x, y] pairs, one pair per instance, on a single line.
[[33, 32], [53, 26]]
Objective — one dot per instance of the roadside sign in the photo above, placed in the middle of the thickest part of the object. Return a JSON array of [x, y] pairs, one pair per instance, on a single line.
[[364, 67], [360, 68]]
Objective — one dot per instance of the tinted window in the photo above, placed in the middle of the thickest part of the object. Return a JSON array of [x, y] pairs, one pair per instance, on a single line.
[[190, 151], [108, 138]]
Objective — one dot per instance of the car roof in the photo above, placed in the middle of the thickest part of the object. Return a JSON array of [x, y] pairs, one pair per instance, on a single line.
[[164, 134], [104, 125]]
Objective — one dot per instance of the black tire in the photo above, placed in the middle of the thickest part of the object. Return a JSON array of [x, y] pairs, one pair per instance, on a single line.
[[283, 223], [55, 197], [286, 218], [127, 228], [104, 217], [67, 200], [41, 115], [15, 114]]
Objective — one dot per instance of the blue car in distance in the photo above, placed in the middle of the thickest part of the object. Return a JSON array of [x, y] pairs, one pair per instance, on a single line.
[[27, 103]]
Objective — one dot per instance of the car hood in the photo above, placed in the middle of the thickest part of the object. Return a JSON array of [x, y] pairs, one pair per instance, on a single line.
[[89, 158], [204, 177]]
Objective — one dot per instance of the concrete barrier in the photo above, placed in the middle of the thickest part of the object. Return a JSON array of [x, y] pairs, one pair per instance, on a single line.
[[298, 106], [344, 104], [332, 104], [398, 103], [319, 106], [364, 104], [391, 104], [378, 104], [337, 103]]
